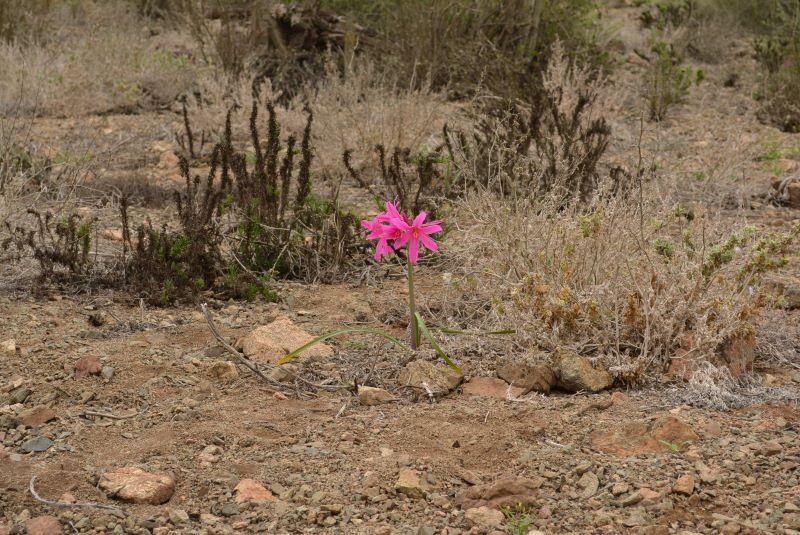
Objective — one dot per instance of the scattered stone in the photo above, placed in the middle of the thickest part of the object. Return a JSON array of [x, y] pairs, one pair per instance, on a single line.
[[37, 444], [428, 377], [37, 416], [285, 373], [589, 483], [369, 396], [229, 509], [67, 497], [503, 492], [107, 373], [643, 494], [132, 484], [249, 490], [528, 377], [620, 398], [484, 517], [43, 525], [411, 484], [576, 373], [178, 517], [9, 347], [269, 343], [620, 488], [491, 387], [641, 437], [224, 371], [210, 455], [88, 365], [19, 395], [768, 449], [684, 485]]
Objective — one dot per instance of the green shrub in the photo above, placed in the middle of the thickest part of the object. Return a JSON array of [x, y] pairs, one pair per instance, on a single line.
[[668, 81]]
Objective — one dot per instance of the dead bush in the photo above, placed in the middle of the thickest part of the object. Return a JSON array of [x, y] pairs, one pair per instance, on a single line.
[[549, 149], [632, 284], [118, 66]]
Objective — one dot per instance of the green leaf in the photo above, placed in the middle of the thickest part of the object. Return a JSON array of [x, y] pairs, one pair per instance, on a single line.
[[289, 356], [424, 330]]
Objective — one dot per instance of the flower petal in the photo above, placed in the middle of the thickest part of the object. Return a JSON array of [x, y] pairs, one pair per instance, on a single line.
[[413, 250], [420, 219], [401, 241], [431, 228], [428, 242]]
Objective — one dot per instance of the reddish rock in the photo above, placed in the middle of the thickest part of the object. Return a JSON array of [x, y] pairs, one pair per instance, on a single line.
[[88, 365], [503, 492], [132, 484], [640, 437], [576, 373], [43, 525], [684, 485], [249, 490], [37, 416], [529, 377], [620, 398], [224, 371], [738, 353], [491, 387], [269, 343]]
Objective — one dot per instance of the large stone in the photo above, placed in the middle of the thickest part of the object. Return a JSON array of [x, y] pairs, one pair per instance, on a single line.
[[503, 492], [88, 365], [9, 346], [536, 377], [576, 373], [738, 353], [269, 343], [43, 525], [684, 485], [224, 371], [484, 517], [368, 395], [132, 484], [422, 375], [491, 387], [37, 444], [37, 416], [410, 483], [641, 437], [249, 490]]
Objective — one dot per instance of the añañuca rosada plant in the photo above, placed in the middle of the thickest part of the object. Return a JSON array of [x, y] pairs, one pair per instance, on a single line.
[[394, 231]]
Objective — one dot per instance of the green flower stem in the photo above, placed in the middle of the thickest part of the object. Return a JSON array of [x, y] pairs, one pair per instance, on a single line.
[[412, 308]]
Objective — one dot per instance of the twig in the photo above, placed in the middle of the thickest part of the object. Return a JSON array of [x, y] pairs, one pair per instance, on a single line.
[[211, 325], [111, 416], [67, 505]]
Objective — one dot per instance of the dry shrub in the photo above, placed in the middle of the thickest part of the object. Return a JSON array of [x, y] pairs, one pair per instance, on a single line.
[[633, 284], [116, 67], [355, 109], [472, 46], [551, 149]]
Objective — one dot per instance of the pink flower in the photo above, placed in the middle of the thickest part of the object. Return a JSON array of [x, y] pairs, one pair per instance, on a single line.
[[393, 226], [416, 234]]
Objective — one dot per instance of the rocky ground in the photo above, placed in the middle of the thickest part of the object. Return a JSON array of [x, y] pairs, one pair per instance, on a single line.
[[122, 418], [143, 413]]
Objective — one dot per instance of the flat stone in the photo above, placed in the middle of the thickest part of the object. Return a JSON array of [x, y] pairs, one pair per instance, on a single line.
[[43, 525], [484, 517], [641, 437], [491, 387], [269, 343], [37, 444], [589, 483], [368, 395], [503, 492], [132, 484], [37, 416], [249, 490], [9, 346], [438, 378]]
